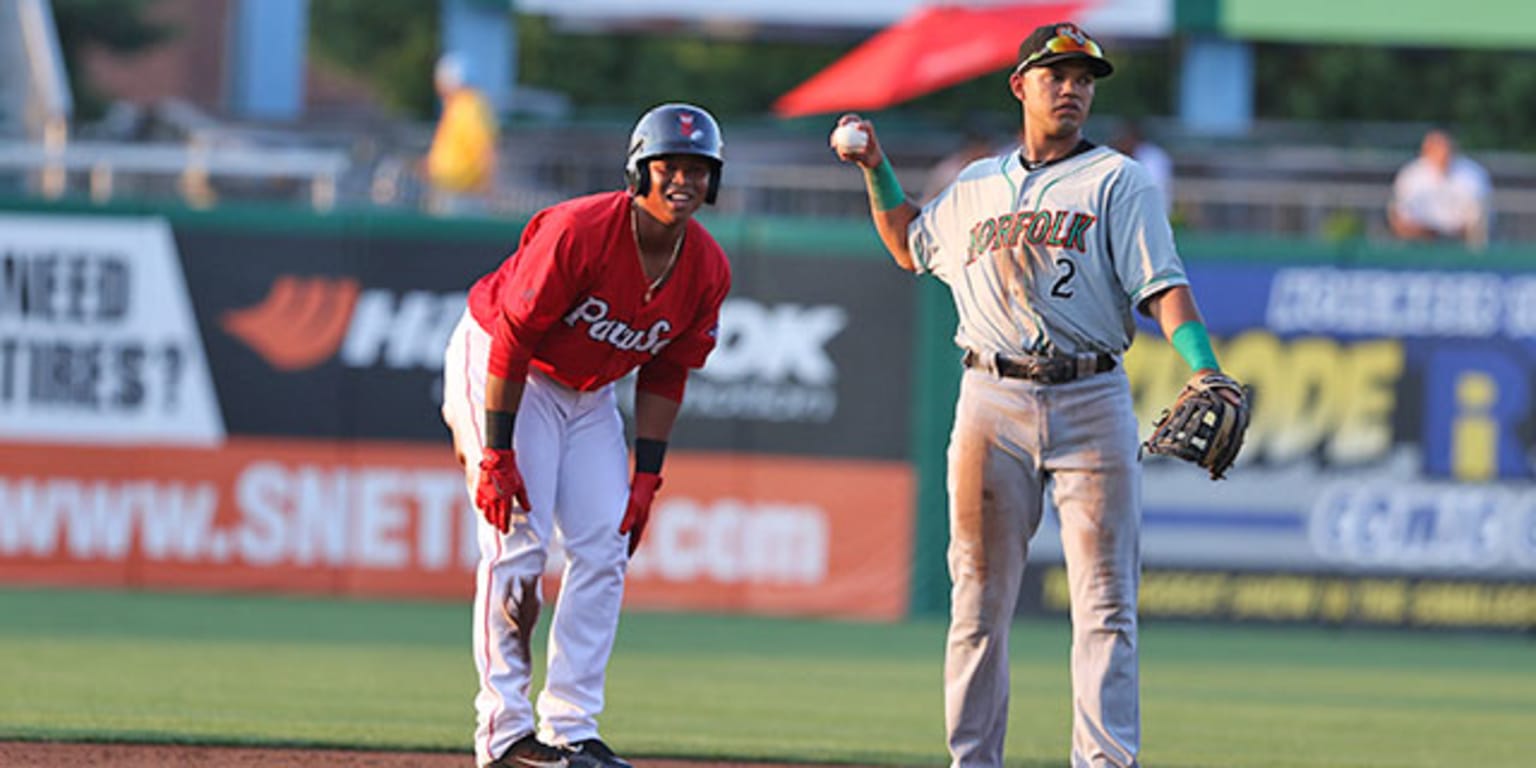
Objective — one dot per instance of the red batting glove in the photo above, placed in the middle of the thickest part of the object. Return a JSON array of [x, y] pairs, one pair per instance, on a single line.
[[642, 491], [500, 485]]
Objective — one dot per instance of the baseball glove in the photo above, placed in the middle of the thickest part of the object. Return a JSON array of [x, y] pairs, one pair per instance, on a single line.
[[1202, 426]]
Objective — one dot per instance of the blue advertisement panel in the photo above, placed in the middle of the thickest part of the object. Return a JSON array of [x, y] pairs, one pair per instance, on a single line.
[[1392, 430]]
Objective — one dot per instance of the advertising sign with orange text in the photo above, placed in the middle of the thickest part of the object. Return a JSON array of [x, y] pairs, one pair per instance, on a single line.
[[729, 533], [223, 407]]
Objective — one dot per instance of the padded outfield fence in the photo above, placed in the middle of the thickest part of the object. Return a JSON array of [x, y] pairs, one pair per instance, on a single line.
[[246, 398]]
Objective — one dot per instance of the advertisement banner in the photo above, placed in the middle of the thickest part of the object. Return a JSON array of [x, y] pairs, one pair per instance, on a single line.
[[1391, 432], [730, 533], [231, 407], [785, 536], [330, 335], [97, 339], [348, 335], [1422, 602]]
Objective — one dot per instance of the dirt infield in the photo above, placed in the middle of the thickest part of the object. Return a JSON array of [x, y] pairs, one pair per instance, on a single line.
[[47, 754]]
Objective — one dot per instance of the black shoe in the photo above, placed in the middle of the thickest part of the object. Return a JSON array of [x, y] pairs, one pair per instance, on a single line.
[[593, 753], [529, 752]]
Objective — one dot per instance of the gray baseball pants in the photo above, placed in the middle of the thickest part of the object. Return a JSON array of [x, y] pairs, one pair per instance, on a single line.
[[1014, 441]]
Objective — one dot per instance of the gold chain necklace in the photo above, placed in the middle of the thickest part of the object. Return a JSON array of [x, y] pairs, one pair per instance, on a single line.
[[677, 247]]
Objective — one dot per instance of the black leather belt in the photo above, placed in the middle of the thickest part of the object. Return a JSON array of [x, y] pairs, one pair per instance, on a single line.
[[1056, 369]]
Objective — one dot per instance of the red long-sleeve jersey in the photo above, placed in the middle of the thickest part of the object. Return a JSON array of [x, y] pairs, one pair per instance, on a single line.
[[570, 301]]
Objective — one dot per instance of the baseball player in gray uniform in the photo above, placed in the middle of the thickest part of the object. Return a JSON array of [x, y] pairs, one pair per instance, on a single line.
[[1047, 249]]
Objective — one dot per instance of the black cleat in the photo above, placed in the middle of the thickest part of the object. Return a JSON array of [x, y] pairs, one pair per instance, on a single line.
[[529, 752], [593, 753]]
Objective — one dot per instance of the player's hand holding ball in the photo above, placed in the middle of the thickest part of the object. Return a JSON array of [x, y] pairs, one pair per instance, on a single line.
[[642, 493], [852, 140], [501, 485], [849, 139]]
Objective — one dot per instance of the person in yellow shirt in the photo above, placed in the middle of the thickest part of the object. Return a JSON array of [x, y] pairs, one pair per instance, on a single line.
[[461, 164]]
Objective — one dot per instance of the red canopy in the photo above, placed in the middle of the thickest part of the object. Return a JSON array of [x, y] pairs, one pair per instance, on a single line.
[[935, 47]]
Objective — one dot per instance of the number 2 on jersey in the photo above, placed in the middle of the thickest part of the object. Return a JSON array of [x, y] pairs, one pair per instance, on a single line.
[[1059, 289]]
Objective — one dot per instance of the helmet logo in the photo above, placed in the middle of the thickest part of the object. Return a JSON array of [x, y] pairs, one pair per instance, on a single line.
[[685, 126]]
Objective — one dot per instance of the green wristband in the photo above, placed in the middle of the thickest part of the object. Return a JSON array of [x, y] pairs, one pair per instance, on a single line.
[[884, 189], [1194, 345]]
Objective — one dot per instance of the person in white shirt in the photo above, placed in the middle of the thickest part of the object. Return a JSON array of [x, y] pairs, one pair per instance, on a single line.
[[1441, 195], [1133, 143]]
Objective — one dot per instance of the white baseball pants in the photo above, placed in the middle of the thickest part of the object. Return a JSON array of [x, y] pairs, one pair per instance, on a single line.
[[571, 452], [1013, 442]]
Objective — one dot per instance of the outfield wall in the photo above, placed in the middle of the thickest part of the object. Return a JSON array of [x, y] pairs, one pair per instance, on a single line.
[[1387, 474], [248, 399]]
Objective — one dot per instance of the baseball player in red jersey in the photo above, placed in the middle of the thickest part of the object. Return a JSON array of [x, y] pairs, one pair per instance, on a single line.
[[599, 286]]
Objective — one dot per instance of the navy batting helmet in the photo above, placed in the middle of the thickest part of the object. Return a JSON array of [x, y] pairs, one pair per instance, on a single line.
[[674, 129]]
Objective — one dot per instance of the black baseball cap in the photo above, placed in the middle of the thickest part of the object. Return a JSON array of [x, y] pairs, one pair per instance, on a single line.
[[1061, 41]]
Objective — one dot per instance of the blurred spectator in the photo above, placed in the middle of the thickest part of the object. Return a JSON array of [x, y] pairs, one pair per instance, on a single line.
[[460, 167], [1441, 195], [1133, 143], [977, 145]]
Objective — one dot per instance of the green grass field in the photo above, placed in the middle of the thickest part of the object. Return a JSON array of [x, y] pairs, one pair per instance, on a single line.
[[219, 669]]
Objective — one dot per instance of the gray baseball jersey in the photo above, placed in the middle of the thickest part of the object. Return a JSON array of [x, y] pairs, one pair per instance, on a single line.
[[1053, 259], [1049, 260]]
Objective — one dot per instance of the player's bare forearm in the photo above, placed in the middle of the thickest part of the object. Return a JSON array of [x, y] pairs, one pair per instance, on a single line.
[[501, 394], [890, 221], [854, 140], [892, 226], [1173, 308], [654, 415]]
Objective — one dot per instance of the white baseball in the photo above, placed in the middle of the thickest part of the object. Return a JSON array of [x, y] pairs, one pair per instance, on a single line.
[[849, 138]]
